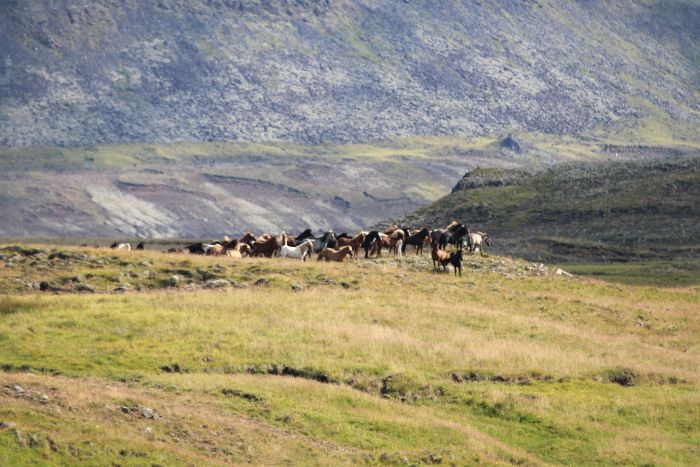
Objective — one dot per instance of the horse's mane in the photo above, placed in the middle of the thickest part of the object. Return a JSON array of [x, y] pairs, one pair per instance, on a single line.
[[453, 225], [326, 235], [357, 236], [305, 234]]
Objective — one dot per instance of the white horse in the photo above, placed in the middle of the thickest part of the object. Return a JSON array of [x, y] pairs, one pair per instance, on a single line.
[[121, 246], [301, 251], [476, 240]]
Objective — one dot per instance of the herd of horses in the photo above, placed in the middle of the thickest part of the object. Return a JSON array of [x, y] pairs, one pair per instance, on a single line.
[[331, 247]]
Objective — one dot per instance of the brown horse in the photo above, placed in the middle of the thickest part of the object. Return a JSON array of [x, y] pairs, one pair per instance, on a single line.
[[393, 241], [248, 238], [267, 247], [440, 257], [329, 254], [355, 242], [391, 229], [240, 250], [214, 250]]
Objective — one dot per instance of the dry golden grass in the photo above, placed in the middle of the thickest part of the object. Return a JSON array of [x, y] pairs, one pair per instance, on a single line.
[[399, 363]]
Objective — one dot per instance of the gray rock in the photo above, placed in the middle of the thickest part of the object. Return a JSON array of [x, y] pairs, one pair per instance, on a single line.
[[86, 288], [148, 413], [297, 287], [125, 287], [173, 280], [217, 284]]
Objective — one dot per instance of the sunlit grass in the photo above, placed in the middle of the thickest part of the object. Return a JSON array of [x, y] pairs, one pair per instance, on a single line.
[[493, 366]]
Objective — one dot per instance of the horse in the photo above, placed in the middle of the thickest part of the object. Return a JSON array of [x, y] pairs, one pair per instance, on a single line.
[[453, 234], [121, 246], [416, 239], [456, 261], [330, 239], [439, 257], [213, 249], [248, 238], [267, 247], [457, 236], [437, 233], [475, 241], [301, 251], [393, 241], [391, 229], [141, 246], [329, 254], [195, 248], [371, 239], [239, 251], [327, 240], [355, 242], [304, 235]]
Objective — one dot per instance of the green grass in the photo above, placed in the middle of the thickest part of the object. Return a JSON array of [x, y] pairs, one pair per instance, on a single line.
[[605, 211], [674, 273], [399, 364]]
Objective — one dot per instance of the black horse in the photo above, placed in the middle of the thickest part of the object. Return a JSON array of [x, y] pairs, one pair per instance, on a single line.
[[456, 238], [330, 239], [417, 240], [372, 238], [304, 235], [141, 246], [195, 248], [456, 261]]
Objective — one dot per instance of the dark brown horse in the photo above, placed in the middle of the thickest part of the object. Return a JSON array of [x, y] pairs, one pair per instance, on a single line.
[[266, 247], [417, 239]]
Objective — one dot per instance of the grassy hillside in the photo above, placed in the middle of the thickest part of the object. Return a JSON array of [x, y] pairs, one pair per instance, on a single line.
[[380, 362], [603, 211]]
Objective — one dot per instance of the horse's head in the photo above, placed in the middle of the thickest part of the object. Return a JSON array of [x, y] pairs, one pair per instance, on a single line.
[[486, 238]]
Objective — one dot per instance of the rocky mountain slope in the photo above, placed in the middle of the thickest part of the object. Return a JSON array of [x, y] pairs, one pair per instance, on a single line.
[[78, 73], [607, 211], [212, 189]]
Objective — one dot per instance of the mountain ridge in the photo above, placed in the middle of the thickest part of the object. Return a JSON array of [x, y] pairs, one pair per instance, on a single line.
[[339, 71]]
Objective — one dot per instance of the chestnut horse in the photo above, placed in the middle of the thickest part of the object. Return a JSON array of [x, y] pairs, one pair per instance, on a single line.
[[440, 257], [240, 250], [329, 254], [267, 247], [355, 242], [393, 241]]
